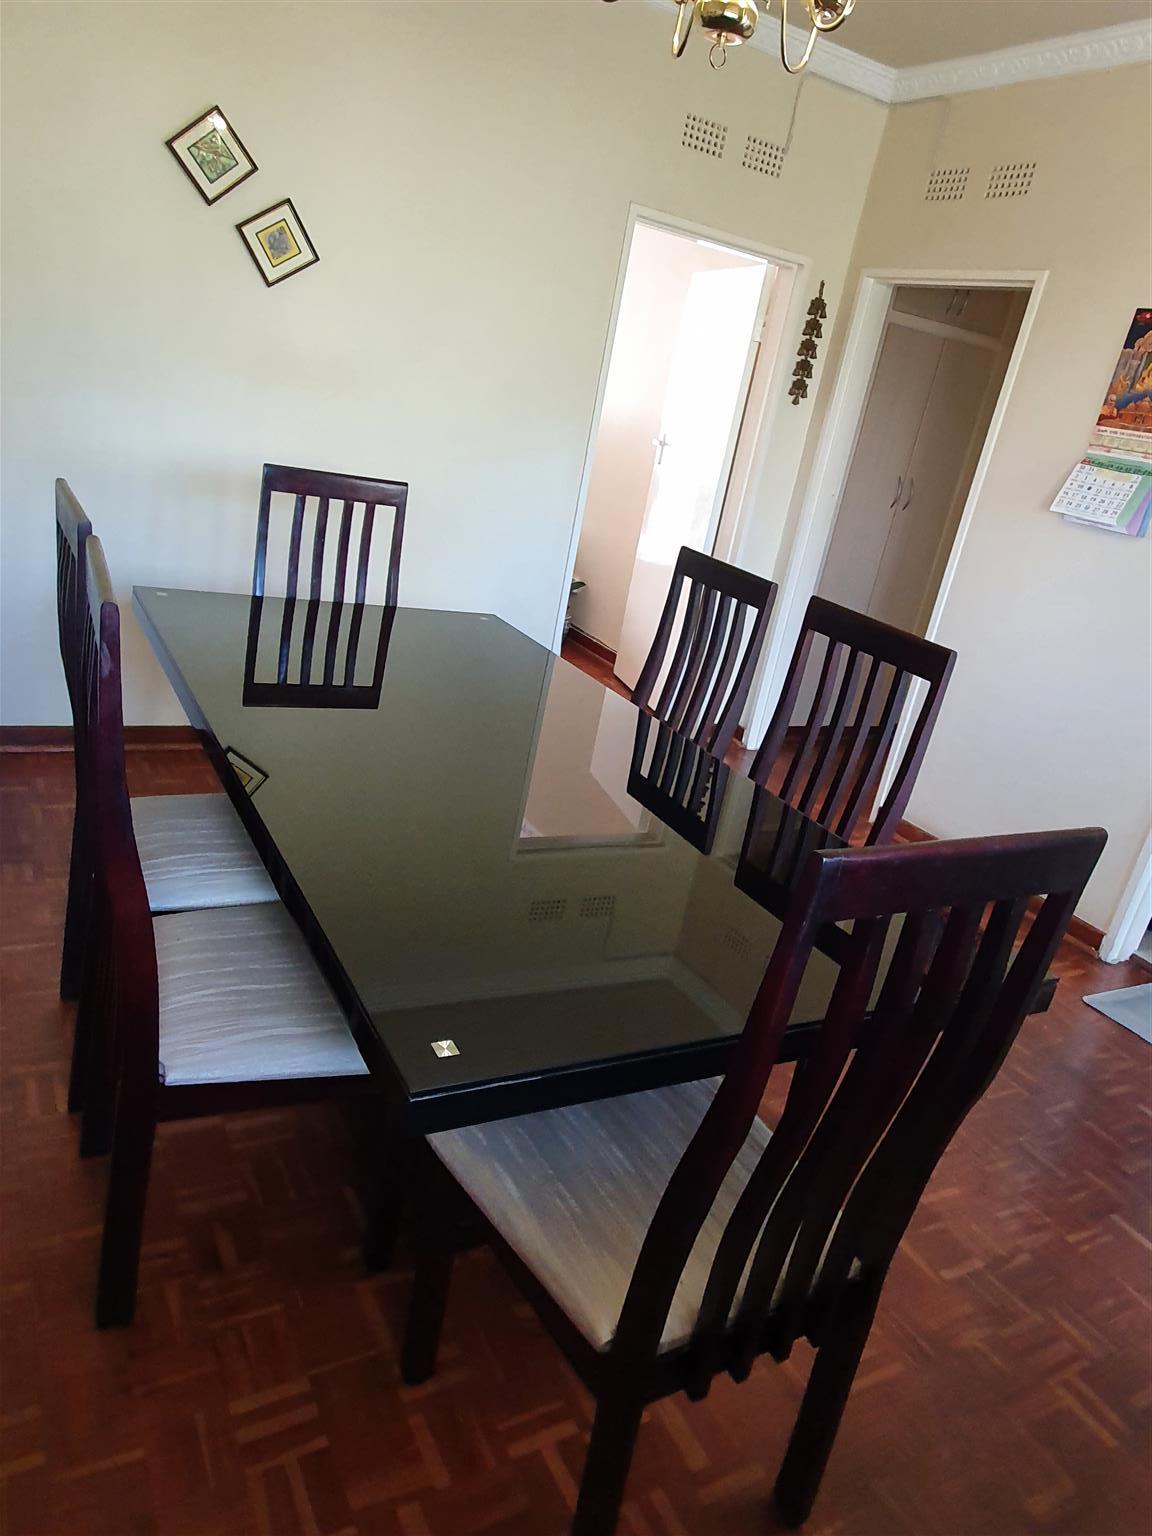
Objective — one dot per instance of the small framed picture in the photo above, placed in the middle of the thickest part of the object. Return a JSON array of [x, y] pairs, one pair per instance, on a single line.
[[278, 242], [212, 155], [245, 770]]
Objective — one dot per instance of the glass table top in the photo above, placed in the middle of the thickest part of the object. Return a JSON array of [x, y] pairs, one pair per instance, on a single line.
[[519, 874]]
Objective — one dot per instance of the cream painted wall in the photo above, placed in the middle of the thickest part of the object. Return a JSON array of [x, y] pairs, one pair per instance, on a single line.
[[661, 266], [1046, 723], [468, 193]]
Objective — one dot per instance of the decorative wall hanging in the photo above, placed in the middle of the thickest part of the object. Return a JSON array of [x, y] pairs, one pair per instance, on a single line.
[[1125, 421], [277, 242], [806, 355], [212, 155]]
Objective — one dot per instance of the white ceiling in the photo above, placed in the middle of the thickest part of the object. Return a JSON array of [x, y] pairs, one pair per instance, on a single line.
[[906, 33]]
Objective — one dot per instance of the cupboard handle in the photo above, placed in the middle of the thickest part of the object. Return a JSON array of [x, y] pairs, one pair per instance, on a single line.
[[908, 498], [899, 488]]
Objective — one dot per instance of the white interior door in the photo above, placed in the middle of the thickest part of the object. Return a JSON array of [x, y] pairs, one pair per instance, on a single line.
[[957, 412], [711, 365], [878, 474]]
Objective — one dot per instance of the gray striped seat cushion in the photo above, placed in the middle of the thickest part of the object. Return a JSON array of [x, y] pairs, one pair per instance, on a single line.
[[241, 1000], [195, 853], [573, 1191]]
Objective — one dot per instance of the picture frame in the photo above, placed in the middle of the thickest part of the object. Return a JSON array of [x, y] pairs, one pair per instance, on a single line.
[[212, 156], [277, 242], [251, 777]]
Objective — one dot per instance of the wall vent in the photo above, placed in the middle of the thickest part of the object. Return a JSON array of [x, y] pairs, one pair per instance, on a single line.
[[1013, 180], [705, 135], [738, 942], [948, 184], [597, 906], [547, 909], [763, 156]]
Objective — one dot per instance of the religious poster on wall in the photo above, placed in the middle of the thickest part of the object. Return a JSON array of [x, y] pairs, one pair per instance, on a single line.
[[1125, 421]]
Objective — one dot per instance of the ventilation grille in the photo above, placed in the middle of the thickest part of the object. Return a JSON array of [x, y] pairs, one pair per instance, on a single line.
[[597, 906], [1011, 180], [705, 135], [947, 185], [739, 943], [547, 909], [763, 156]]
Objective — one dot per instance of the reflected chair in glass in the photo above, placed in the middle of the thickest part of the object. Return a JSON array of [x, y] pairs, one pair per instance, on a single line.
[[206, 1011], [702, 690], [833, 759], [668, 1237]]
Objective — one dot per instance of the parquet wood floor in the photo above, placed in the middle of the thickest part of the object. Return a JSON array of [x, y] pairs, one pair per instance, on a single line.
[[1005, 1390]]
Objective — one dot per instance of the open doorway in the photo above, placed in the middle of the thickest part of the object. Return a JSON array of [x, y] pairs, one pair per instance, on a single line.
[[683, 394], [938, 374]]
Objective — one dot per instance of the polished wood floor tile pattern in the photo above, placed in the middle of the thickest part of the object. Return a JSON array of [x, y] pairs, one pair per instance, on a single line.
[[1005, 1389]]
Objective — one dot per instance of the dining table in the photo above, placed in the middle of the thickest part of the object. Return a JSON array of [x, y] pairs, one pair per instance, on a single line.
[[524, 890]]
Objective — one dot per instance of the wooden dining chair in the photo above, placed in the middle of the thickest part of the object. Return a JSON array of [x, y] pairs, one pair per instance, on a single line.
[[723, 623], [194, 849], [670, 1236], [328, 576], [833, 760], [210, 1010]]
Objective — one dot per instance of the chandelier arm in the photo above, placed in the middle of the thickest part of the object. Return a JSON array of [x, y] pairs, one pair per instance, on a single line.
[[680, 37], [793, 69]]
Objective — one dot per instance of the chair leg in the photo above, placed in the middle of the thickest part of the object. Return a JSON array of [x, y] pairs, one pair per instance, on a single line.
[[829, 1384], [429, 1300], [124, 1215], [387, 1220], [75, 922], [606, 1469], [93, 1077]]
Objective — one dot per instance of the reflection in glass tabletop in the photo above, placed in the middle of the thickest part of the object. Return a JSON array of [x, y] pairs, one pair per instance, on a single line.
[[525, 890]]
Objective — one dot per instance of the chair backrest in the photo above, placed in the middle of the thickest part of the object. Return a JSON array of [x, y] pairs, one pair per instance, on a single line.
[[841, 750], [72, 530], [120, 921], [361, 500], [677, 781], [725, 620], [895, 1067]]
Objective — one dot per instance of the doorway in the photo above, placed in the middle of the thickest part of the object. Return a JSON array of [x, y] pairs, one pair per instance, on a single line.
[[683, 394], [938, 374]]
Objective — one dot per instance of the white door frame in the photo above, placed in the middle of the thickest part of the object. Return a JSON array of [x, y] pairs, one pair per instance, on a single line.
[[812, 529], [1134, 912], [787, 297]]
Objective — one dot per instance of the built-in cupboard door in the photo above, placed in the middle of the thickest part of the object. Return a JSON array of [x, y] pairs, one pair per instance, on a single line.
[[952, 427], [878, 473]]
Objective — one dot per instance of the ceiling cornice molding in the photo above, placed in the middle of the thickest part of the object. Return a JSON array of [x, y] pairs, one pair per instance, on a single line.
[[830, 61], [1078, 53], [1104, 48]]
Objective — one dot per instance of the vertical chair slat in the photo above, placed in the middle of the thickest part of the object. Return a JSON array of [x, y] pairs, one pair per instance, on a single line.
[[879, 739], [681, 654], [700, 644], [825, 763], [314, 589], [811, 728]]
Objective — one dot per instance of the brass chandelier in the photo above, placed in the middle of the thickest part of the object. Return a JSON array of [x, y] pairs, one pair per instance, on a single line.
[[731, 22]]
